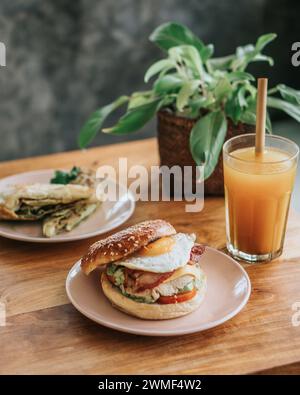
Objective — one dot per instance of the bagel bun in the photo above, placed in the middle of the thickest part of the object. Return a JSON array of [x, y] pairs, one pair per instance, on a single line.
[[152, 311], [124, 243]]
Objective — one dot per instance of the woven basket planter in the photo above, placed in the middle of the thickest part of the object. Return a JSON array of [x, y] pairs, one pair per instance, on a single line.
[[173, 141]]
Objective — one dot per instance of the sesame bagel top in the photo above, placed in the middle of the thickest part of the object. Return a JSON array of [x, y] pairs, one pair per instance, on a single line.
[[124, 243]]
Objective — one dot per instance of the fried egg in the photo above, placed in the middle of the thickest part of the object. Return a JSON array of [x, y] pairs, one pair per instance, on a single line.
[[177, 256]]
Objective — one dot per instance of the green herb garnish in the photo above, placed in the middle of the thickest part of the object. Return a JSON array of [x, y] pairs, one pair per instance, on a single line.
[[62, 177]]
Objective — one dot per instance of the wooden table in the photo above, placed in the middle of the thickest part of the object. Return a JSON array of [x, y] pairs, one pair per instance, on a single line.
[[45, 334]]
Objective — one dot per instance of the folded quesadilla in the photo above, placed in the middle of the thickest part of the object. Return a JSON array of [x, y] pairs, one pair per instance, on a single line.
[[35, 201], [68, 217]]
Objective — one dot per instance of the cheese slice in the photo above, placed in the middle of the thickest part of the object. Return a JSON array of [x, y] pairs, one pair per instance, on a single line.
[[191, 270]]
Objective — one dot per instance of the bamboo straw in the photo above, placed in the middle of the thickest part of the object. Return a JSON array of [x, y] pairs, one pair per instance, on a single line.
[[261, 106]]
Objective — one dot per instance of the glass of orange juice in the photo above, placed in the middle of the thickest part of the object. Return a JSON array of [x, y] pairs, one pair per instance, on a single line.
[[258, 189]]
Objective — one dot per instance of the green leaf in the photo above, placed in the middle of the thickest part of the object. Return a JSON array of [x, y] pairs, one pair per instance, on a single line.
[[206, 140], [135, 119], [264, 40], [139, 98], [167, 84], [291, 109], [168, 100], [252, 91], [187, 90], [222, 89], [289, 94], [191, 55], [241, 97], [207, 52], [241, 106], [95, 121], [157, 67], [263, 58], [249, 117], [233, 109], [250, 53], [222, 63], [172, 34], [62, 177], [188, 55], [240, 76], [242, 57], [196, 104], [268, 123]]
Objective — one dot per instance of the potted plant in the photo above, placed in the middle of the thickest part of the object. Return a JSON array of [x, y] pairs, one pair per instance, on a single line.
[[199, 101]]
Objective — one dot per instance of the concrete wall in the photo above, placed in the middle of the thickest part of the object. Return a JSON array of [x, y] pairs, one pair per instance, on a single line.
[[65, 58]]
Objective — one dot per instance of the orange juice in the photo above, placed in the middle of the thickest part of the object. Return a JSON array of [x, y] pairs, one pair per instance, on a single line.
[[257, 194]]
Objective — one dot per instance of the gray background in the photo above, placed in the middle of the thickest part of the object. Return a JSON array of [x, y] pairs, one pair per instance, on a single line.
[[66, 58]]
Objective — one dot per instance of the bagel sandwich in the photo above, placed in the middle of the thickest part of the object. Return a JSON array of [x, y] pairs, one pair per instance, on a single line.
[[149, 270]]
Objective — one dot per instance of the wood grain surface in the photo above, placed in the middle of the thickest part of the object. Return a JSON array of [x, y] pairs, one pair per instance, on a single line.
[[45, 334]]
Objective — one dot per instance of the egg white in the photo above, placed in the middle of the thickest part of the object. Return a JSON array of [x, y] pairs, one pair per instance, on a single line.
[[177, 257]]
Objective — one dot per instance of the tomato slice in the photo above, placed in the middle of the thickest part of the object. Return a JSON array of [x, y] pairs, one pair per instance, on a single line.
[[179, 298]]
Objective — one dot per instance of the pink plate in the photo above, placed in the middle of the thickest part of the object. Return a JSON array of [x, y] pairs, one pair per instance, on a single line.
[[228, 290], [108, 216]]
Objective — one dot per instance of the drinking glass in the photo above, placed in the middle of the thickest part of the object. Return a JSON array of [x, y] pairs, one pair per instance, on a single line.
[[257, 195]]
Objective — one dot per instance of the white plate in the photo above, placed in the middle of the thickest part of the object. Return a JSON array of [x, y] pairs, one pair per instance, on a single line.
[[108, 216], [228, 290]]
